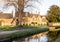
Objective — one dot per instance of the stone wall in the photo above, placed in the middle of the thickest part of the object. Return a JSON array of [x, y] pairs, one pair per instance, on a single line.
[[54, 24], [7, 22]]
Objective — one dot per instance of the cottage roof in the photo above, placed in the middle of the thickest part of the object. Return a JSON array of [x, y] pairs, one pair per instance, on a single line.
[[44, 19], [30, 15], [6, 15]]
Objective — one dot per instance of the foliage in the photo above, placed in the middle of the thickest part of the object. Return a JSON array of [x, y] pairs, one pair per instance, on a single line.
[[54, 35], [58, 39], [53, 14]]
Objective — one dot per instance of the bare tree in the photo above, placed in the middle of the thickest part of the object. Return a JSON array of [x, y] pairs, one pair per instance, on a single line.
[[20, 5], [23, 4]]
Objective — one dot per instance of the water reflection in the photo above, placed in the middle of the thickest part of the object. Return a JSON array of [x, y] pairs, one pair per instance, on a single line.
[[42, 37]]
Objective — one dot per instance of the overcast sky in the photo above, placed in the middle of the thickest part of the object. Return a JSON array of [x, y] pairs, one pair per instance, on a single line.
[[40, 7], [46, 5], [43, 6]]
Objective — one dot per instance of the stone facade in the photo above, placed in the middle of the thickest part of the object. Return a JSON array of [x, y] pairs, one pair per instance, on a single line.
[[54, 24], [33, 19], [27, 19], [6, 19]]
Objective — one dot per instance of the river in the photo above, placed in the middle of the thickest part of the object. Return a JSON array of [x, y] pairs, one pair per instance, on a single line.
[[42, 37]]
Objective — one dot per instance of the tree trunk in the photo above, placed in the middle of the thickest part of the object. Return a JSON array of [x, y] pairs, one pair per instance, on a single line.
[[20, 10]]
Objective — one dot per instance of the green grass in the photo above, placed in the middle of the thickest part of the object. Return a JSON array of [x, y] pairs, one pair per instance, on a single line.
[[7, 28], [31, 30], [10, 28], [24, 33]]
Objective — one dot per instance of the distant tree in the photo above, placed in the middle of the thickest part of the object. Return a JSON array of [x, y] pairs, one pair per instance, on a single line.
[[53, 14]]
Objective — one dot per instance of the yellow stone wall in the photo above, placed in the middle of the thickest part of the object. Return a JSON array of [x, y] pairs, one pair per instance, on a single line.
[[29, 20], [7, 22]]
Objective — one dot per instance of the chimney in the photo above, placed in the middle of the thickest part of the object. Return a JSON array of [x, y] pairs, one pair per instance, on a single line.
[[13, 13]]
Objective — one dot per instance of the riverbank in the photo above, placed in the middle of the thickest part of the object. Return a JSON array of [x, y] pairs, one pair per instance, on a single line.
[[58, 39], [11, 28], [54, 36], [10, 33], [21, 33]]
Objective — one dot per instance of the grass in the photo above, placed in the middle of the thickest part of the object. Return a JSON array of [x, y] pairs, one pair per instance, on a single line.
[[7, 28], [10, 28], [28, 30], [23, 33]]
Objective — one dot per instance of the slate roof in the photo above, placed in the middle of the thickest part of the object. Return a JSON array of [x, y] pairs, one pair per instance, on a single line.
[[6, 15]]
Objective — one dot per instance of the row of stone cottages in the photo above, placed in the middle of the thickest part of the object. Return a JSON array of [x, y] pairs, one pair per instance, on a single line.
[[6, 19]]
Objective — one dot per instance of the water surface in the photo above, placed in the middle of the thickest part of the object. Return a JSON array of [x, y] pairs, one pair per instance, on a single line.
[[42, 37]]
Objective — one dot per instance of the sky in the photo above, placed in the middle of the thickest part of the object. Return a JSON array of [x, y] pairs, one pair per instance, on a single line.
[[5, 9], [46, 5], [41, 7]]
